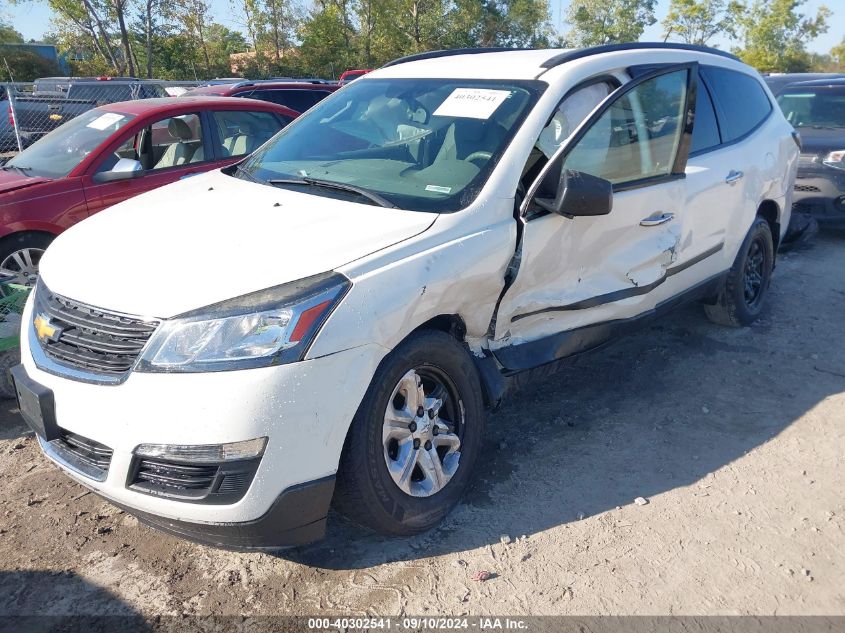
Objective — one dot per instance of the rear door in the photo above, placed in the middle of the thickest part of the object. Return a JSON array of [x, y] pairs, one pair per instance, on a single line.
[[738, 169], [240, 132], [582, 272]]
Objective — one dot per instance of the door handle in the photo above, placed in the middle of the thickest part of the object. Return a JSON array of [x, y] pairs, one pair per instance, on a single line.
[[656, 218], [734, 177]]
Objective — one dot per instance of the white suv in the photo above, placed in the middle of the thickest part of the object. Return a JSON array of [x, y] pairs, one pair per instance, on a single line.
[[326, 322]]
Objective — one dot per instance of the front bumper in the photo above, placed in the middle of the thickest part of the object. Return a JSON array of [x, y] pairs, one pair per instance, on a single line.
[[304, 409], [297, 517], [821, 193]]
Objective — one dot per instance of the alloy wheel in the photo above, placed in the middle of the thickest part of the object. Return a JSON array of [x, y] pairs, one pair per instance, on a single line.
[[422, 429], [754, 273], [21, 266]]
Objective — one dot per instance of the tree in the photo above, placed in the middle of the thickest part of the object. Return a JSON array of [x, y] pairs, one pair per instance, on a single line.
[[837, 55], [194, 17], [118, 9], [18, 63], [527, 24], [608, 21], [278, 22], [522, 23], [9, 35], [698, 21], [775, 35], [24, 65], [149, 23], [326, 42]]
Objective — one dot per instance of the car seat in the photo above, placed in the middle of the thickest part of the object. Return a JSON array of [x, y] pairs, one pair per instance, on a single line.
[[183, 150], [244, 141]]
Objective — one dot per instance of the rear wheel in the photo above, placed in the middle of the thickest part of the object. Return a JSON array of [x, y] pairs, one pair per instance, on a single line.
[[20, 257], [412, 445], [743, 294]]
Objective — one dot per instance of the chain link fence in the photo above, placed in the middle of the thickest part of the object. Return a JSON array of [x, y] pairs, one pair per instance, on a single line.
[[9, 144], [28, 111]]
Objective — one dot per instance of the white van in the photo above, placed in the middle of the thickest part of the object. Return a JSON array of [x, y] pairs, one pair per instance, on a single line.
[[328, 320]]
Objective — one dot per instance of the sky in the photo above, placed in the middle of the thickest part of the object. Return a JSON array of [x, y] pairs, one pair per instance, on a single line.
[[32, 19]]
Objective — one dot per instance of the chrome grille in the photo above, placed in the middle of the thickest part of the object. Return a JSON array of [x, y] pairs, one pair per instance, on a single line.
[[89, 338]]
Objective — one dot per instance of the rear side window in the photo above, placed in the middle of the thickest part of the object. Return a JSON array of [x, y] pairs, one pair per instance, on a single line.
[[705, 131], [242, 132], [743, 103], [102, 92], [299, 100]]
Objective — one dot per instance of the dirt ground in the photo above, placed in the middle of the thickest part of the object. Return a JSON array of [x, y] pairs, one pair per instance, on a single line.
[[736, 439]]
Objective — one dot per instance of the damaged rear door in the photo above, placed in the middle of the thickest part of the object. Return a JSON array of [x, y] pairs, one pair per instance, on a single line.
[[573, 276]]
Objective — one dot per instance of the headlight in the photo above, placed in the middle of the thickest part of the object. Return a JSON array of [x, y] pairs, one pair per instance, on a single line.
[[268, 327], [835, 159]]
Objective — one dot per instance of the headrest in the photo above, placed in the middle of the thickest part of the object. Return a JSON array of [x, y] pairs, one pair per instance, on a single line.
[[180, 130]]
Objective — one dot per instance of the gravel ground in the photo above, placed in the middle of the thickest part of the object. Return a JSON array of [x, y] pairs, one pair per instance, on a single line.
[[734, 440]]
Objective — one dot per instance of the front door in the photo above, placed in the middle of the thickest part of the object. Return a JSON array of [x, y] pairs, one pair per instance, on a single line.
[[574, 276], [169, 149]]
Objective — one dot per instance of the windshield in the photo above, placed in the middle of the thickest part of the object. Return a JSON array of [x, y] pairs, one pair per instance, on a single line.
[[56, 154], [417, 144], [814, 107]]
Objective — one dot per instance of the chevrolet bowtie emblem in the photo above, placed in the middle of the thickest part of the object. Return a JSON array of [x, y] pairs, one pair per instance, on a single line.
[[45, 330]]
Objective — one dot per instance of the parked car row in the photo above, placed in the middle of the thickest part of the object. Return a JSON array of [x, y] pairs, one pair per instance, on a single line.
[[56, 100], [297, 95], [326, 320]]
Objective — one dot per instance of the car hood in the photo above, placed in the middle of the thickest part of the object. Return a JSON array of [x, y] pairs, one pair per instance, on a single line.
[[213, 237], [821, 140], [11, 180]]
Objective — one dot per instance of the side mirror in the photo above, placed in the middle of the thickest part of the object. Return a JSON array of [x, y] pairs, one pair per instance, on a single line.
[[124, 169], [579, 194]]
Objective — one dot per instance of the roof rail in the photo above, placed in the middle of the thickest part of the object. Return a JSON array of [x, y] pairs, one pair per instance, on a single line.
[[580, 53], [449, 53]]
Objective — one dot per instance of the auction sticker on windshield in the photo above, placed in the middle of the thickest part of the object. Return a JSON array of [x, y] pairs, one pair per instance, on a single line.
[[472, 103], [105, 120]]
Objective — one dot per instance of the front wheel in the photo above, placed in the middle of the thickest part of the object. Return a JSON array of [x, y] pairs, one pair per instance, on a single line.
[[412, 445], [20, 257], [743, 294]]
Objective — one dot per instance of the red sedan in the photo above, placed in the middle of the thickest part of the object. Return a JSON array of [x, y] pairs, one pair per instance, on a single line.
[[114, 152]]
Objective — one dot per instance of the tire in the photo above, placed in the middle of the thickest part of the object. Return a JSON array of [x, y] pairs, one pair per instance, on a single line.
[[30, 247], [384, 482], [742, 297]]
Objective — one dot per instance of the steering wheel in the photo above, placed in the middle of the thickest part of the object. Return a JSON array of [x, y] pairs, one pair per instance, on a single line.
[[481, 156]]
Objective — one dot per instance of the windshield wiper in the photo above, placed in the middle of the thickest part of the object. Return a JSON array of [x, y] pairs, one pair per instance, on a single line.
[[340, 186], [250, 175], [23, 170]]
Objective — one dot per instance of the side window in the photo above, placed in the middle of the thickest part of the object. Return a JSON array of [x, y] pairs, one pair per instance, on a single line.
[[568, 115], [130, 148], [299, 100], [744, 104], [170, 142], [705, 132], [638, 136], [241, 132], [174, 141]]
